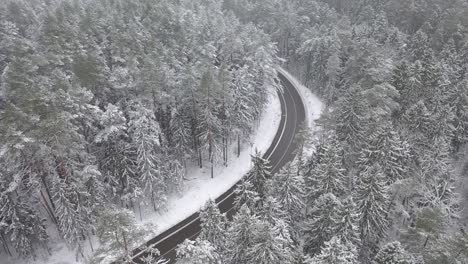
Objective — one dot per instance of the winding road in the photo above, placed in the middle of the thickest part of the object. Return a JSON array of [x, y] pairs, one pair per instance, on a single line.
[[280, 152]]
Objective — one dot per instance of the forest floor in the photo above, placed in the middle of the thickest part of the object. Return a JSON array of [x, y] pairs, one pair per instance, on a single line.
[[199, 188]]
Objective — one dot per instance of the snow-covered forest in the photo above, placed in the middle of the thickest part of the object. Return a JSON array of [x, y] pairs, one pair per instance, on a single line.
[[103, 103], [385, 184]]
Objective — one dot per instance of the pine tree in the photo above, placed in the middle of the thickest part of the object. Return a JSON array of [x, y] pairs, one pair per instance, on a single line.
[[372, 201], [197, 252], [118, 234], [329, 173], [320, 224], [259, 174], [21, 223], [145, 136], [210, 125], [335, 251], [347, 221], [269, 246], [246, 195], [386, 148], [350, 117], [393, 253], [241, 234], [288, 188], [72, 216], [213, 225]]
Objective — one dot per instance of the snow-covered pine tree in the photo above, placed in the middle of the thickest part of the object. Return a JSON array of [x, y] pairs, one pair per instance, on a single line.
[[372, 202], [145, 133], [336, 251], [393, 253], [21, 224], [197, 252], [115, 154], [241, 234], [118, 233], [210, 125], [386, 148], [269, 246], [350, 120], [213, 225], [328, 173], [320, 224], [288, 188], [347, 220], [259, 174], [246, 195], [72, 217]]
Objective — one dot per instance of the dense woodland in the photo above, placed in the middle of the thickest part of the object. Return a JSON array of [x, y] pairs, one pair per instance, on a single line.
[[102, 103], [384, 184]]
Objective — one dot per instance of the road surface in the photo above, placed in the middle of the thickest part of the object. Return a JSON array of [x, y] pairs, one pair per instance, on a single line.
[[280, 152]]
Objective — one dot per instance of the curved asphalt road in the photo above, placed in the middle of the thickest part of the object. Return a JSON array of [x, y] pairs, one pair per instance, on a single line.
[[280, 152]]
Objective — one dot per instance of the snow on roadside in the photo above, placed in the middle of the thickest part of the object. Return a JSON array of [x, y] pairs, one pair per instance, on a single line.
[[200, 188], [313, 105]]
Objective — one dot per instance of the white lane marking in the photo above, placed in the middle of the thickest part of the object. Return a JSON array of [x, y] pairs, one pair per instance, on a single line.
[[294, 131], [197, 218]]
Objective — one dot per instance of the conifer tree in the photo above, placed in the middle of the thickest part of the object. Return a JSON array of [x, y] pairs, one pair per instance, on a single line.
[[372, 201], [246, 195], [320, 224], [259, 175], [197, 252], [241, 234], [335, 251], [213, 225], [289, 190], [269, 246], [393, 253]]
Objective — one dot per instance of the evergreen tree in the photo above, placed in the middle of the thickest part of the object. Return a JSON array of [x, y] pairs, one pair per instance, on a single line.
[[246, 195], [197, 252], [336, 251], [347, 220], [328, 174], [241, 234], [320, 224], [288, 188], [372, 201], [259, 175], [269, 246], [145, 136], [393, 253], [213, 225]]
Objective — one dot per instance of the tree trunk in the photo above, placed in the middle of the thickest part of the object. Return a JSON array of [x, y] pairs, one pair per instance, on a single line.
[[152, 201], [49, 210], [425, 242], [5, 245], [90, 243], [238, 145]]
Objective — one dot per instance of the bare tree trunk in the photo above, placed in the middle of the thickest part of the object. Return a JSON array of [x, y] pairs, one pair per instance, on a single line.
[[238, 145], [49, 210], [5, 245], [90, 243]]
